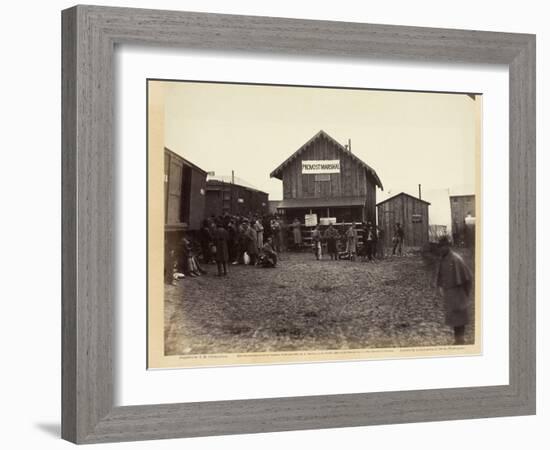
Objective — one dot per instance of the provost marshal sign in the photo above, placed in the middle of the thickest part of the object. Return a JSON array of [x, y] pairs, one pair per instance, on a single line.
[[325, 166]]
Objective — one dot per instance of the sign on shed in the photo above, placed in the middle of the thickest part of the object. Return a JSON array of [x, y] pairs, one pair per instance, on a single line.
[[311, 220], [324, 166]]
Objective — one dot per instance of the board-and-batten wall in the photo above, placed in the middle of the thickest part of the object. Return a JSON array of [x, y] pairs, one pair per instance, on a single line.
[[184, 189], [401, 210], [352, 181]]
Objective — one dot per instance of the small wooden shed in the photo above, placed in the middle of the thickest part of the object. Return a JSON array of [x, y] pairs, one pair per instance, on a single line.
[[408, 211]]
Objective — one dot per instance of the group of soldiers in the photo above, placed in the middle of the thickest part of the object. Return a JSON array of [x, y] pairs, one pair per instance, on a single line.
[[346, 245], [253, 240], [258, 240]]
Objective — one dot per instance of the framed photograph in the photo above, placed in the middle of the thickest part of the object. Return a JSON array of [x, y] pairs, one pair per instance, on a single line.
[[358, 281], [267, 222]]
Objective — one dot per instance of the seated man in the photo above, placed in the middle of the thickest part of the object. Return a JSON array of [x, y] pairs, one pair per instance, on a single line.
[[268, 256]]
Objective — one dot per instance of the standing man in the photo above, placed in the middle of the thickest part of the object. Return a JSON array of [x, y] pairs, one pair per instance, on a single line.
[[251, 239], [222, 251], [241, 242], [370, 240], [297, 233], [205, 237], [453, 278], [266, 223], [331, 236], [398, 237], [351, 242], [277, 234], [232, 247], [380, 244], [259, 228], [316, 243]]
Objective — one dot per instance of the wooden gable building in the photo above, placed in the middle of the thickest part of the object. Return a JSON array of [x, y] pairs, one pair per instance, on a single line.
[[408, 211], [325, 178]]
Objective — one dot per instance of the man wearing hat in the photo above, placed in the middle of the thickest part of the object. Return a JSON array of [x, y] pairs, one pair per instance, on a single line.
[[251, 239]]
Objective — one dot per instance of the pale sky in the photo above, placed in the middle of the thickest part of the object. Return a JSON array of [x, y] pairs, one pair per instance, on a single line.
[[408, 138]]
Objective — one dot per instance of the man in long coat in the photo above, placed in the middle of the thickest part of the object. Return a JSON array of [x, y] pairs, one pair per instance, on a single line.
[[297, 233], [351, 241], [277, 234], [251, 239], [221, 238], [332, 236], [454, 280], [369, 237], [259, 228], [398, 238]]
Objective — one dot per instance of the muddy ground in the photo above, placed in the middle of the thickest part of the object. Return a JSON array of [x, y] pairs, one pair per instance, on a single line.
[[304, 304]]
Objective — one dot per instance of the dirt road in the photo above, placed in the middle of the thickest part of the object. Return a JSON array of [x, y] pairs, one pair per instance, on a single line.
[[305, 304]]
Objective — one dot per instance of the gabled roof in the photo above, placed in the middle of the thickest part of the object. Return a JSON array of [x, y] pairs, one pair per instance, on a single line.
[[400, 194], [185, 161], [228, 179], [278, 172]]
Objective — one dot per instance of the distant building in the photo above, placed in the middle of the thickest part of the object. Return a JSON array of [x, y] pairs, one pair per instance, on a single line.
[[184, 193], [325, 178], [463, 212], [408, 211], [232, 195]]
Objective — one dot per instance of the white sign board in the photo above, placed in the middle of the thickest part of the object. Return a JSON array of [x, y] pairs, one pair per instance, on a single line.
[[311, 220], [324, 166], [328, 220]]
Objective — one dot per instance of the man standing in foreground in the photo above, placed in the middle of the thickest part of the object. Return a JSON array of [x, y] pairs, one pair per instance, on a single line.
[[453, 278]]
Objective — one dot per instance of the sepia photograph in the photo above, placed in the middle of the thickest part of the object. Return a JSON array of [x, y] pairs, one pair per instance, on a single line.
[[291, 224]]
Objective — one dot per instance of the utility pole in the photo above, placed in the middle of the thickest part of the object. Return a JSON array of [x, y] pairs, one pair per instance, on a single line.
[[233, 206]]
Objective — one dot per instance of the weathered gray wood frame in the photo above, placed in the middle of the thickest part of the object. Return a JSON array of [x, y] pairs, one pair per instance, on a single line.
[[89, 36]]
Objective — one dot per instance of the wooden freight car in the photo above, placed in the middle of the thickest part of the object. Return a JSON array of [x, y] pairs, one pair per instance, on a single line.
[[231, 195], [184, 193], [408, 211]]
